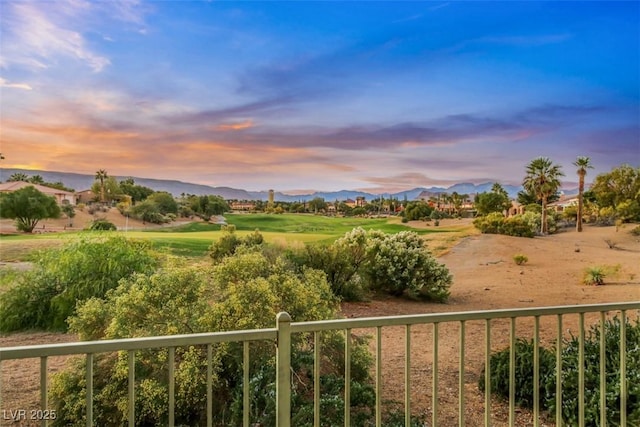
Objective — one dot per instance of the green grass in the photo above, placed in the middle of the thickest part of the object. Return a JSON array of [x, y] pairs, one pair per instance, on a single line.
[[194, 239]]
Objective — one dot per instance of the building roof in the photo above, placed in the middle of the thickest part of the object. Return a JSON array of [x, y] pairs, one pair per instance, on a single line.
[[18, 185]]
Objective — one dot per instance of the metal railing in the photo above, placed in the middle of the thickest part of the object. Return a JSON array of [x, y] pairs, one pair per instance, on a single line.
[[282, 334]]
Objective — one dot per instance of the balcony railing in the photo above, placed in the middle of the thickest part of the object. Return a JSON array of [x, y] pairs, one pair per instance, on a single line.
[[281, 336]]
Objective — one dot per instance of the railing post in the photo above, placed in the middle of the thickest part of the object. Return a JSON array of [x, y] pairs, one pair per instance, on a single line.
[[283, 370]]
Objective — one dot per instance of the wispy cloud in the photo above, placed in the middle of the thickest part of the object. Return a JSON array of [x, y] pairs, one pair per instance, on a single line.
[[23, 86]]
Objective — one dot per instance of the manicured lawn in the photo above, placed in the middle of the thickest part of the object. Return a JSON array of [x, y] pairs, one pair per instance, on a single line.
[[194, 239]]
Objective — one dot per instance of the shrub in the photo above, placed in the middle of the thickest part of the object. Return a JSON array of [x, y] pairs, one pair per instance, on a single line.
[[595, 275], [636, 231], [229, 242], [490, 224], [396, 263], [243, 291], [499, 364], [499, 367], [84, 268], [517, 225], [102, 225], [520, 259]]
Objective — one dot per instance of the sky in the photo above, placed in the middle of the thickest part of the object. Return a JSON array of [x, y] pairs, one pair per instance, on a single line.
[[297, 96]]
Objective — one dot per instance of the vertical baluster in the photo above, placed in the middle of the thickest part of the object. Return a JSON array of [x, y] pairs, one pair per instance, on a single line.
[[209, 385], [581, 420], [512, 372], [434, 396], [316, 379], [89, 382], [172, 386], [461, 379], [245, 384], [559, 373], [603, 373], [378, 376], [347, 378], [536, 371], [623, 368], [407, 375], [132, 385], [43, 389], [487, 373]]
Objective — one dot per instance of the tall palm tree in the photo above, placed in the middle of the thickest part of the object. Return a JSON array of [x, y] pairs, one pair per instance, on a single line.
[[583, 163], [18, 176], [101, 175], [543, 180]]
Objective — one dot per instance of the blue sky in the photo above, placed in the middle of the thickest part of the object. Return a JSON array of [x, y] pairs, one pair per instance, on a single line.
[[319, 95]]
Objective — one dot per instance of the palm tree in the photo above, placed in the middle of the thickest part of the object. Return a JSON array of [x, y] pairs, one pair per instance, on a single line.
[[583, 163], [543, 180], [18, 176], [101, 175]]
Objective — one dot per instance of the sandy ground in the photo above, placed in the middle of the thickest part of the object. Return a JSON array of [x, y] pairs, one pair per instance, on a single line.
[[485, 277]]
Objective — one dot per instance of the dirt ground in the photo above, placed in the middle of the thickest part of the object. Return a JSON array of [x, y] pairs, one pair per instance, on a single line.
[[485, 277]]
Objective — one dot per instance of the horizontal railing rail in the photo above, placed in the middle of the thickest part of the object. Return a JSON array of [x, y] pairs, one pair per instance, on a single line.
[[281, 336]]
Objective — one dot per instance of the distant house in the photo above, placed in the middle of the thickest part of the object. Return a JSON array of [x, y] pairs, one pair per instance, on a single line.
[[563, 203], [86, 196], [350, 202], [243, 206], [61, 196]]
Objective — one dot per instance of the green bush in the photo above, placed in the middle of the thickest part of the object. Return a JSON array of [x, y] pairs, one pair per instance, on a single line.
[[102, 225], [520, 259], [243, 291], [83, 268], [499, 364], [229, 242], [397, 264], [517, 225]]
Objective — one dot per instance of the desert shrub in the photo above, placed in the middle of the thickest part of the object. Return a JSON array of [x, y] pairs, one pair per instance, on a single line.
[[243, 291], [595, 275], [81, 206], [81, 269], [569, 378], [635, 231], [489, 224], [499, 364], [229, 242], [398, 264], [520, 259], [517, 226], [102, 225]]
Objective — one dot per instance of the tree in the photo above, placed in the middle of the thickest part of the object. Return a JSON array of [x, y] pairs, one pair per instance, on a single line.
[[165, 202], [138, 193], [495, 201], [317, 204], [583, 163], [37, 179], [101, 175], [28, 206], [543, 180], [619, 190], [109, 189], [18, 176], [69, 212]]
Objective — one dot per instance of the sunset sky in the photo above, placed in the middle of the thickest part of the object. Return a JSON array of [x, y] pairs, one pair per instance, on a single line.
[[295, 96]]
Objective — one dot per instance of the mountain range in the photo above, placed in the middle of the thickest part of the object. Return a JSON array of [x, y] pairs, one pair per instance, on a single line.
[[81, 182]]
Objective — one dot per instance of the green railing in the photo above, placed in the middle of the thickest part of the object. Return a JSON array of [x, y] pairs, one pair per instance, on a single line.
[[281, 335]]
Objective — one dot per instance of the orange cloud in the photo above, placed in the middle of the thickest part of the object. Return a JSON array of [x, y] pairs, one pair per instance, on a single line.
[[226, 127]]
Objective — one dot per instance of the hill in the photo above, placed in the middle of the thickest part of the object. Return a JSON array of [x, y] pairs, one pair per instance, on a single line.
[[81, 182]]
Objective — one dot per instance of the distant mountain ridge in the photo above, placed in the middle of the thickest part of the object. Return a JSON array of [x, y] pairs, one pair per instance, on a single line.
[[81, 182]]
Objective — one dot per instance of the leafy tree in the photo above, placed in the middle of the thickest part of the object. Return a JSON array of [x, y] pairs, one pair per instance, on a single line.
[[582, 163], [164, 201], [69, 212], [542, 179], [619, 189], [28, 206], [101, 176], [317, 204], [108, 188], [138, 193], [18, 176], [148, 211], [417, 210], [36, 179], [495, 201]]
